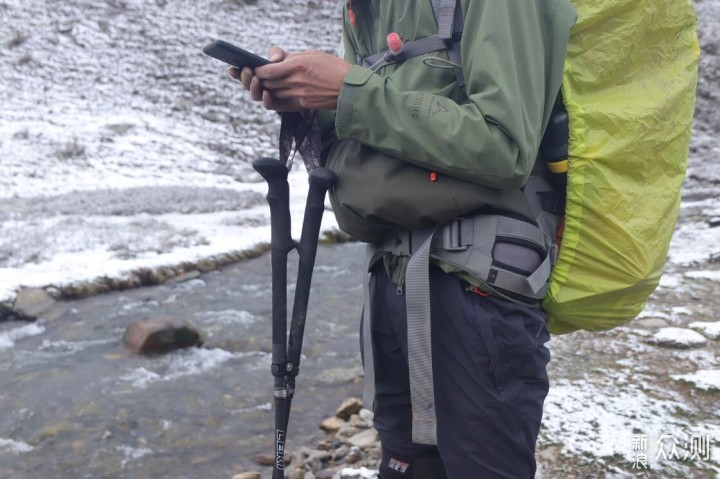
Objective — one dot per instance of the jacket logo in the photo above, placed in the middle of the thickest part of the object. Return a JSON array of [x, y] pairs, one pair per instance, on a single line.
[[438, 108]]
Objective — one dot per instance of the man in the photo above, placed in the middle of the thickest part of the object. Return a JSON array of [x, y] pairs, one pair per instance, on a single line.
[[488, 378]]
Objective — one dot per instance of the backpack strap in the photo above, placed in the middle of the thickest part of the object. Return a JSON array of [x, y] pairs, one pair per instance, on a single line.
[[450, 22]]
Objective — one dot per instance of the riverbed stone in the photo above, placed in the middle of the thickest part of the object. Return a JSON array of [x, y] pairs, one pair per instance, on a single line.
[[332, 424], [364, 439], [353, 455], [161, 334], [33, 303], [248, 475], [265, 459], [358, 422], [349, 407], [297, 473]]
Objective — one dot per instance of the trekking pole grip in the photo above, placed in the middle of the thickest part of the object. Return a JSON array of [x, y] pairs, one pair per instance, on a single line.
[[275, 174]]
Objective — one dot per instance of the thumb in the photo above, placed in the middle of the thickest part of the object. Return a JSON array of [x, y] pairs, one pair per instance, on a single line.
[[277, 54]]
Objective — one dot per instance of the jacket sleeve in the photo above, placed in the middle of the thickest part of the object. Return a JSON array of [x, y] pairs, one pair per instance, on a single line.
[[326, 118], [513, 55]]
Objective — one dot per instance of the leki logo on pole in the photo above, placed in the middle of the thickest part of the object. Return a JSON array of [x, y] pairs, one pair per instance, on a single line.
[[280, 449]]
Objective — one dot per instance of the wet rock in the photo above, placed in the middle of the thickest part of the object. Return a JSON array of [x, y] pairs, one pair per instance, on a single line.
[[264, 460], [349, 407], [184, 276], [340, 453], [313, 458], [297, 473], [364, 439], [339, 375], [248, 475], [354, 455], [367, 415], [33, 303], [332, 424], [678, 338], [347, 430], [161, 335], [358, 422]]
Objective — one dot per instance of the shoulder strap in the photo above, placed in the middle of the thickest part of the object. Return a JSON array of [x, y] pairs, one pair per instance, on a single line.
[[450, 21]]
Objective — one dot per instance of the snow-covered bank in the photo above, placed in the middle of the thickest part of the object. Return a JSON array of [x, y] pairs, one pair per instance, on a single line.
[[123, 147]]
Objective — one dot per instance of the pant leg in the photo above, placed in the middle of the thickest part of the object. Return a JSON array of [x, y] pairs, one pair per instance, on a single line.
[[393, 413], [490, 379], [489, 368]]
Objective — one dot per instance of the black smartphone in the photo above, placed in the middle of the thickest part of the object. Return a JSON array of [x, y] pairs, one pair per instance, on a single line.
[[233, 55]]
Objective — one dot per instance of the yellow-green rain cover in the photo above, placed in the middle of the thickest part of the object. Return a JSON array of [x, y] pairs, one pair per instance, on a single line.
[[629, 88]]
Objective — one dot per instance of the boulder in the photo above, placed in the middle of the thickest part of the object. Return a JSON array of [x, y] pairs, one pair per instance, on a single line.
[[33, 303], [161, 335]]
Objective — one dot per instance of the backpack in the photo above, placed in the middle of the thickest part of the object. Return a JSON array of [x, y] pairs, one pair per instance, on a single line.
[[629, 89], [626, 105]]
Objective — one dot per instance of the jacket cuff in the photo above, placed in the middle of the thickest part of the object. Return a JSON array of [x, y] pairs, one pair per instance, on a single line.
[[353, 82]]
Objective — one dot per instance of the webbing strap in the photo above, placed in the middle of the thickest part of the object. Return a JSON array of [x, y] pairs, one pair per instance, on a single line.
[[450, 21], [368, 358], [410, 50], [445, 17], [422, 391]]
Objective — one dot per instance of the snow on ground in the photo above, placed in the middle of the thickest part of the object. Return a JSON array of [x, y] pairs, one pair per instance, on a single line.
[[706, 379], [679, 337], [710, 330]]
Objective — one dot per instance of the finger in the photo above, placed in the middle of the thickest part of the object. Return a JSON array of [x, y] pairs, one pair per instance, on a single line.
[[246, 77], [234, 73], [276, 70], [277, 54], [287, 93], [256, 89], [267, 100]]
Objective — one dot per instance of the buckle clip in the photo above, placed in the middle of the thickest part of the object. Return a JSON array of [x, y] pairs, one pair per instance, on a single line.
[[452, 236]]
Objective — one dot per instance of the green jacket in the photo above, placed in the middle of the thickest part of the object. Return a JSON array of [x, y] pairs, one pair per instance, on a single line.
[[513, 53]]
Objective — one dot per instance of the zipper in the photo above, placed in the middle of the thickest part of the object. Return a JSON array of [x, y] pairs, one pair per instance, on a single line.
[[401, 284]]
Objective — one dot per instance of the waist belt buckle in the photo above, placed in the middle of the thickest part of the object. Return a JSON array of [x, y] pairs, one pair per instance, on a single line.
[[452, 236]]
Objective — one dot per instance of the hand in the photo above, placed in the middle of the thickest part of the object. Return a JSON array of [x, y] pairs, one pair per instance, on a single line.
[[312, 79], [252, 84]]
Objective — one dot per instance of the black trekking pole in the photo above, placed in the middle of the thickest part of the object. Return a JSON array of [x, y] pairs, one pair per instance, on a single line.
[[284, 368]]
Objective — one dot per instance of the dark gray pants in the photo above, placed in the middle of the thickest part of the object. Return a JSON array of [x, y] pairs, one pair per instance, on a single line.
[[489, 366]]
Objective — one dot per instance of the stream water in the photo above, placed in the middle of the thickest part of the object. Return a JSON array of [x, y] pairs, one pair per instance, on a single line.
[[77, 404]]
